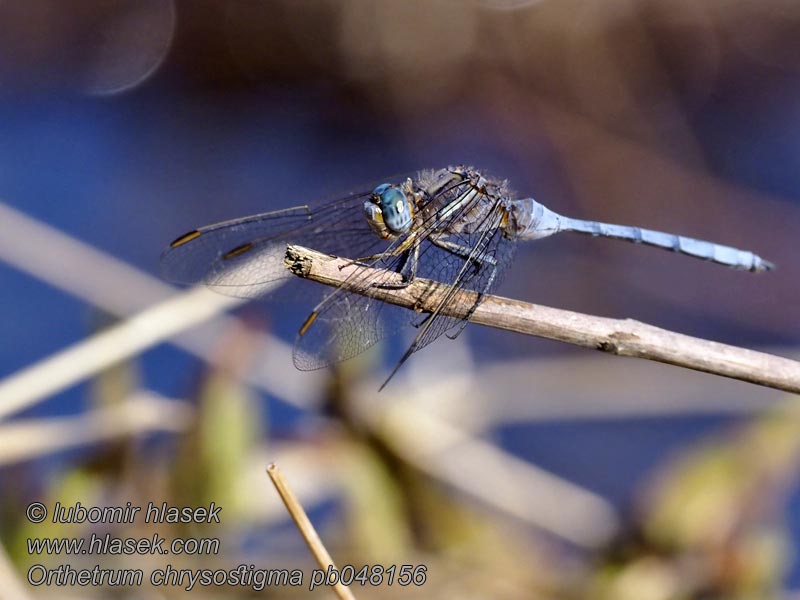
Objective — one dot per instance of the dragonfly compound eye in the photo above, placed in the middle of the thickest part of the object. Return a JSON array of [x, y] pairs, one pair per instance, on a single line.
[[395, 207]]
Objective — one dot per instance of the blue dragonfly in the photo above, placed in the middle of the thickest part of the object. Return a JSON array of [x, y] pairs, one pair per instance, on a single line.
[[456, 225]]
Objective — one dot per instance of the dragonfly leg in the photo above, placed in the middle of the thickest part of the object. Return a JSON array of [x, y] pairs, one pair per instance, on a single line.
[[410, 259], [465, 253], [360, 261], [365, 261], [426, 322]]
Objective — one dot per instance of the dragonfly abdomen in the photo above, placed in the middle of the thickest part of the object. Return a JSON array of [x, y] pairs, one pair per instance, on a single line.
[[534, 221], [717, 253]]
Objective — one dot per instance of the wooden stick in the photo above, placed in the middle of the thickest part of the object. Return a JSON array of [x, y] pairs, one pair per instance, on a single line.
[[307, 530], [623, 337]]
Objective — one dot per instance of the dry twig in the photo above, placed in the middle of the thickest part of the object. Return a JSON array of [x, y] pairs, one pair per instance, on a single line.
[[623, 337], [307, 530], [88, 357], [142, 412]]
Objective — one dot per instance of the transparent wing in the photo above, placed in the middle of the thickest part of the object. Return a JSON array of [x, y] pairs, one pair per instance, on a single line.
[[244, 257], [466, 250], [480, 271], [346, 323]]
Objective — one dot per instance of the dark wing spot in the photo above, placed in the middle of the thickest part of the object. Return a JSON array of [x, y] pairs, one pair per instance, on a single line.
[[239, 250], [186, 237], [309, 321]]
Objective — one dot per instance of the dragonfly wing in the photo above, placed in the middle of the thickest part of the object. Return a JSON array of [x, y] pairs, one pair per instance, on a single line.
[[459, 244], [347, 322], [468, 262], [468, 259], [244, 257], [344, 325]]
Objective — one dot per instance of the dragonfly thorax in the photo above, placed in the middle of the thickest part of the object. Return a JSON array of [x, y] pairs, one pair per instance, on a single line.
[[388, 211]]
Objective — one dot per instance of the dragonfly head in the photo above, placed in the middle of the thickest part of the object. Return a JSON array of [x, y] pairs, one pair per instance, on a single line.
[[389, 211]]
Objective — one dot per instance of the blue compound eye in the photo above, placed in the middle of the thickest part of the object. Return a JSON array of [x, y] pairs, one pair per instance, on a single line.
[[395, 207], [378, 191]]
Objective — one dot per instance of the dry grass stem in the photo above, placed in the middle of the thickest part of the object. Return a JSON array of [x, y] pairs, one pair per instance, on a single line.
[[143, 412], [116, 287], [623, 337], [300, 518], [90, 356]]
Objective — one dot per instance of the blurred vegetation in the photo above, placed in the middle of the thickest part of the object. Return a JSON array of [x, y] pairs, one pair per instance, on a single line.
[[708, 523], [711, 522]]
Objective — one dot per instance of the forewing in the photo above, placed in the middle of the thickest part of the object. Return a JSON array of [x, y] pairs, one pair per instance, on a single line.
[[244, 257]]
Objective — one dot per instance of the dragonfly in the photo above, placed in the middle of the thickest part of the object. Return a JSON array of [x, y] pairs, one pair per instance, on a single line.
[[457, 226]]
